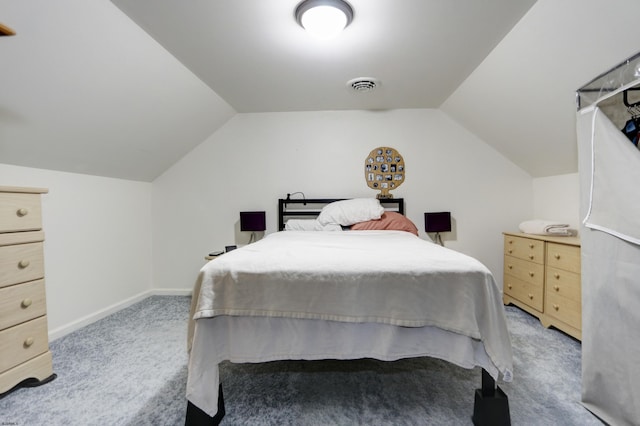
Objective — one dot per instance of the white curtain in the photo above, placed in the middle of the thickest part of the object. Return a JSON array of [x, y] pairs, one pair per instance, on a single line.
[[610, 205]]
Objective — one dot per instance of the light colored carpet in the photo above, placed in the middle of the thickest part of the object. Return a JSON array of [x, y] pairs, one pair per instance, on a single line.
[[130, 369]]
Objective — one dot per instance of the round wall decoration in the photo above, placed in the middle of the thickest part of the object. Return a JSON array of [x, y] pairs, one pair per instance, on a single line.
[[384, 170]]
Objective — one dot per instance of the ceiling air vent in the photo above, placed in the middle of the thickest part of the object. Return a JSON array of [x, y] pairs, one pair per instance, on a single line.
[[363, 84]]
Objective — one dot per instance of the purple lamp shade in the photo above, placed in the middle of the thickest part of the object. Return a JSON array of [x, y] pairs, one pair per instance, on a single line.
[[252, 221], [437, 222]]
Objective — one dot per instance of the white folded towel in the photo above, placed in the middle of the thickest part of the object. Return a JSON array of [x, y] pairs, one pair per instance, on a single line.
[[545, 227]]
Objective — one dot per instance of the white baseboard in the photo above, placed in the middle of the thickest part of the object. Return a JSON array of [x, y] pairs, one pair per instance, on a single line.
[[91, 318], [171, 291]]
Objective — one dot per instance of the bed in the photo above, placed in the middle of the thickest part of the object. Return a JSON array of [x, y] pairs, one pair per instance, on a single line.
[[331, 293]]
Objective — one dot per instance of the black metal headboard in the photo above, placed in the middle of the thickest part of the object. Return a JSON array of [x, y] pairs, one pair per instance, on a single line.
[[311, 207]]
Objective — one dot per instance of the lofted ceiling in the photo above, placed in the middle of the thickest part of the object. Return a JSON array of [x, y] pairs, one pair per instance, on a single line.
[[85, 90], [256, 56], [126, 88]]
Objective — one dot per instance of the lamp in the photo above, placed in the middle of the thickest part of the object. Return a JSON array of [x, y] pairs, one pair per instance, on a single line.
[[254, 222], [294, 193], [324, 19], [437, 222]]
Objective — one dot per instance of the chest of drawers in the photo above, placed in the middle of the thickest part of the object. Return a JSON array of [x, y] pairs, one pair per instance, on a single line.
[[24, 347], [542, 276]]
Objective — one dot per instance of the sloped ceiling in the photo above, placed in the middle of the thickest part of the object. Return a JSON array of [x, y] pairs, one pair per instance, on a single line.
[[255, 55], [85, 90], [521, 99], [125, 89]]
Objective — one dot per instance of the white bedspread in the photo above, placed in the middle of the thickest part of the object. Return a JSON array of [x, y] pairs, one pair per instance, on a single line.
[[389, 278]]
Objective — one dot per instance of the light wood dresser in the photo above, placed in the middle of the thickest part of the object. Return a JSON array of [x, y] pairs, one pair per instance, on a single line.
[[542, 276], [25, 358]]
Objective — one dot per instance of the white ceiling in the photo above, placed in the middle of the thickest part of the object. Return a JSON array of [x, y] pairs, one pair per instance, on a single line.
[[256, 56], [90, 89], [84, 90], [521, 99]]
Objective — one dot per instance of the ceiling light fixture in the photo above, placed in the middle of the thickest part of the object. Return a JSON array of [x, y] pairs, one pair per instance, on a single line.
[[324, 19]]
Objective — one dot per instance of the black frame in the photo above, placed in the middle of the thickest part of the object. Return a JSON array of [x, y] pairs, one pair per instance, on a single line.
[[286, 211], [490, 407]]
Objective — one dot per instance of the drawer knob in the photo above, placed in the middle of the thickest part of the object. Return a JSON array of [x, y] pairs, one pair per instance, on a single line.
[[22, 212], [530, 296], [531, 274], [26, 303], [23, 263], [510, 251], [531, 256], [556, 276], [28, 342], [556, 307], [510, 241], [510, 286], [510, 266], [557, 256], [531, 245], [556, 287]]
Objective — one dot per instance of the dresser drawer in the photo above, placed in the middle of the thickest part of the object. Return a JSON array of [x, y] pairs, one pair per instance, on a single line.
[[564, 309], [21, 302], [563, 256], [524, 248], [21, 263], [20, 212], [563, 283], [13, 238], [23, 342], [526, 271], [525, 292]]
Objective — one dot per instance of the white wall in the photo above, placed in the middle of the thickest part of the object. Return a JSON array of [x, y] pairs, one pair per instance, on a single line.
[[557, 198], [101, 232], [97, 243], [254, 159]]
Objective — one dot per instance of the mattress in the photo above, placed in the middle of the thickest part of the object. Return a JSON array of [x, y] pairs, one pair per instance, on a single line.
[[344, 295]]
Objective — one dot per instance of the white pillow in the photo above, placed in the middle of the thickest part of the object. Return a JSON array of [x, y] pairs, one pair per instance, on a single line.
[[310, 225], [348, 212]]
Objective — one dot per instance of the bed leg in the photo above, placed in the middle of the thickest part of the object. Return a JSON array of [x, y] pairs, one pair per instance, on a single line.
[[197, 417], [491, 406]]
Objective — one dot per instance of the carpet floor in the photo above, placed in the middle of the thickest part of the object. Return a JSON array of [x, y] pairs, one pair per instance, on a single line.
[[131, 369]]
